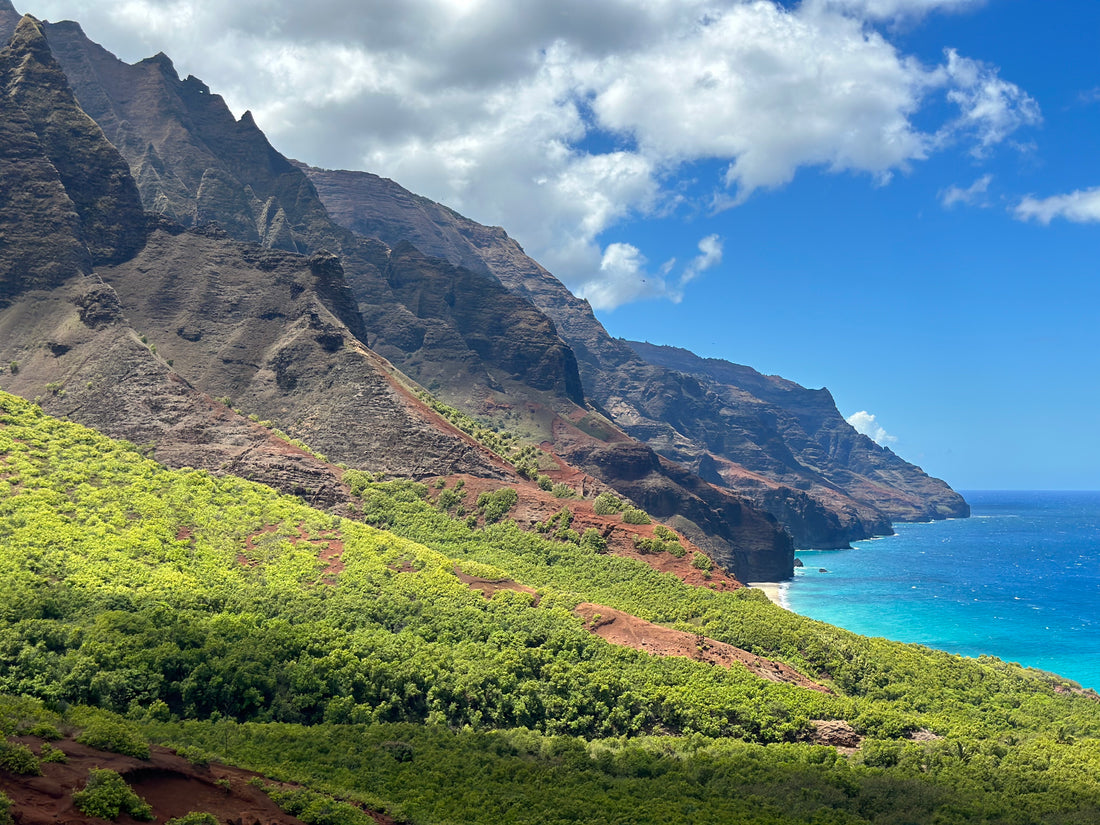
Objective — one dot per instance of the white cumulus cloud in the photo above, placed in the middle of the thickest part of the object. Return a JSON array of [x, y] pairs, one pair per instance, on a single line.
[[865, 423], [565, 120], [1081, 206], [990, 108]]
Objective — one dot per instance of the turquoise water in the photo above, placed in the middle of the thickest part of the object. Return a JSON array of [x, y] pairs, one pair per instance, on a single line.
[[1020, 580]]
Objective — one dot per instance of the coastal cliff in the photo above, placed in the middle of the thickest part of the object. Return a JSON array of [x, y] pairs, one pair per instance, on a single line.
[[786, 449]]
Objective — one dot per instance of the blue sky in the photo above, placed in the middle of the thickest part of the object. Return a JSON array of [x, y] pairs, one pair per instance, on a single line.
[[889, 198]]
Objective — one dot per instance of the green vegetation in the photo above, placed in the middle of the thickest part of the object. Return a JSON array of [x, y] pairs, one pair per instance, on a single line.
[[593, 540], [109, 734], [562, 490], [495, 505], [632, 515], [662, 541], [524, 457], [702, 562], [107, 795], [5, 809], [606, 504], [48, 753], [140, 604], [16, 757]]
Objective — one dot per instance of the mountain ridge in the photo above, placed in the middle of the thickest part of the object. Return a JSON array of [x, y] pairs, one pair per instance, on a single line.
[[664, 407], [455, 331]]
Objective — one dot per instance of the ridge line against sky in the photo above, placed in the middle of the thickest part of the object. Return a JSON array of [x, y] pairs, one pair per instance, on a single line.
[[866, 194]]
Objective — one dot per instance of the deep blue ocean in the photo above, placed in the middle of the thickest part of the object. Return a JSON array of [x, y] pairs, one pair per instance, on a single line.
[[1019, 579]]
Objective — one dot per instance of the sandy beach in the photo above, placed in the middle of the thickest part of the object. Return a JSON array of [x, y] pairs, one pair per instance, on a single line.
[[773, 590]]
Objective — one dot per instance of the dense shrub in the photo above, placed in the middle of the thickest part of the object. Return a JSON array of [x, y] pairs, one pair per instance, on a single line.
[[702, 562], [48, 753], [593, 539], [495, 505], [606, 504], [18, 758], [632, 515], [107, 795], [194, 818], [115, 736]]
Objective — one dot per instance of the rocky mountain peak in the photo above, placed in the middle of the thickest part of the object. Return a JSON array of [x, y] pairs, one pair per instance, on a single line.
[[163, 62]]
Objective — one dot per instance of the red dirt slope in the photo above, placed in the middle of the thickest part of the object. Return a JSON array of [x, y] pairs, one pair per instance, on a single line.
[[171, 784], [629, 631]]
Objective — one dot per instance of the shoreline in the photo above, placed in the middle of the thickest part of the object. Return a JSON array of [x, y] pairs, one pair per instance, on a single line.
[[775, 591]]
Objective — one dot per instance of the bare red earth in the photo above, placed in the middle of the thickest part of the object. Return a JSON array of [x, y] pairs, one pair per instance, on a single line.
[[536, 505], [629, 631], [169, 783]]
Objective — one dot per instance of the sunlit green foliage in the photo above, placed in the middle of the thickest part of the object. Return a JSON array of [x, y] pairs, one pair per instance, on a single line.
[[201, 609], [662, 542], [15, 757], [106, 733], [606, 504], [496, 504], [107, 795], [194, 818]]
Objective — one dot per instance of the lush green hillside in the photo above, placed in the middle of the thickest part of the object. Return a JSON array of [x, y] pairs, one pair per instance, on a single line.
[[349, 655]]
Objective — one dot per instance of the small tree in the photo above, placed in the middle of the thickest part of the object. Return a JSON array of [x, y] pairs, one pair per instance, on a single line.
[[194, 818], [106, 795], [606, 504], [593, 540]]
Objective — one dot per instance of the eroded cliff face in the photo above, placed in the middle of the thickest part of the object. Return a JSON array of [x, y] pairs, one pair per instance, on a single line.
[[453, 328], [84, 270], [787, 448], [67, 201], [195, 163], [817, 437], [249, 325]]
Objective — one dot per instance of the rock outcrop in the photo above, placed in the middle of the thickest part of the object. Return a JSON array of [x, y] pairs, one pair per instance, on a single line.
[[818, 444]]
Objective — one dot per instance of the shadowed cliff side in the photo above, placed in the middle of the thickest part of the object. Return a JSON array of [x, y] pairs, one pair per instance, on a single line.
[[67, 201], [791, 453], [808, 421], [195, 163]]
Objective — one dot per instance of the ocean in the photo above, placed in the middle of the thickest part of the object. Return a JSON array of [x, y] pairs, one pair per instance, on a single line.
[[1019, 579]]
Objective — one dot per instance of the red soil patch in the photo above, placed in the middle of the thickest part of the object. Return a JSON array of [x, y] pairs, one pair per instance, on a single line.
[[490, 586], [171, 784], [623, 629]]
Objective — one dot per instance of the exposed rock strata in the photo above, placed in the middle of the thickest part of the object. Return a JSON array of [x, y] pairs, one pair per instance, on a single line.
[[789, 451]]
